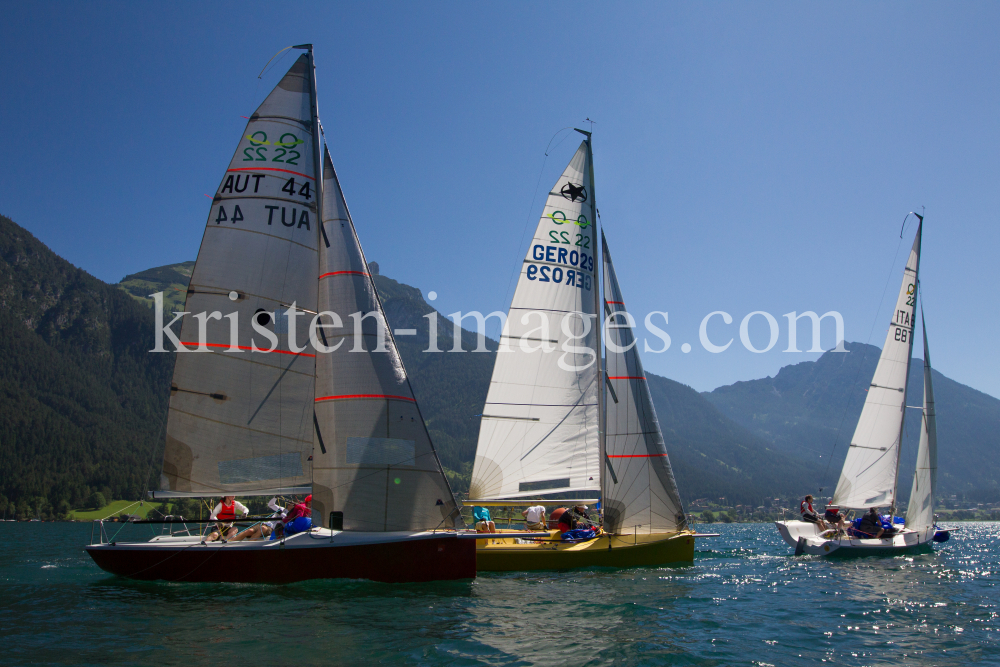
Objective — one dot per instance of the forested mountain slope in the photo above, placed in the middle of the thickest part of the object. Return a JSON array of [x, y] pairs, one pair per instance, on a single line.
[[82, 399]]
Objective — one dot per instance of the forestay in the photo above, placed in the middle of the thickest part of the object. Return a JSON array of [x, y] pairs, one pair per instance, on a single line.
[[640, 493], [240, 420], [374, 460], [539, 430], [868, 478], [920, 510]]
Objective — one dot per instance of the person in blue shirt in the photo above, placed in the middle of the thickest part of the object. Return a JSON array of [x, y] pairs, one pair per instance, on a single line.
[[484, 524]]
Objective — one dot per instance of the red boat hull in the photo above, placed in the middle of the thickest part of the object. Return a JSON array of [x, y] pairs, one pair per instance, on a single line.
[[432, 558]]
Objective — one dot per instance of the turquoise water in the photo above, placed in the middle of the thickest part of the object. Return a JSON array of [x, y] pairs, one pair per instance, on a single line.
[[745, 601]]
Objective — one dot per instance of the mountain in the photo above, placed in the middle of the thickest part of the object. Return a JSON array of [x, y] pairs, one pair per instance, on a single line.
[[712, 455], [171, 279], [808, 407], [82, 399]]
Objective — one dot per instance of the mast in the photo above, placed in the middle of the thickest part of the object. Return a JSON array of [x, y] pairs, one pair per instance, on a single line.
[[909, 358], [598, 320], [314, 108]]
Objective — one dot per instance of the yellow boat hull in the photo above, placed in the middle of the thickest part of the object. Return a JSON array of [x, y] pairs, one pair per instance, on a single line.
[[500, 554]]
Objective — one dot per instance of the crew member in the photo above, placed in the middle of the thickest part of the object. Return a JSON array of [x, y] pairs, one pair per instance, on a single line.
[[265, 528], [534, 517], [809, 514], [871, 525], [224, 514], [484, 523], [297, 519]]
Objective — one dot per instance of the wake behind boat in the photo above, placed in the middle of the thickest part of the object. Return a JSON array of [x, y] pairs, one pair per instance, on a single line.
[[869, 478], [262, 416]]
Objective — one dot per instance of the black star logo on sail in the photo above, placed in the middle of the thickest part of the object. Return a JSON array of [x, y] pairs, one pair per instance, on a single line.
[[574, 192]]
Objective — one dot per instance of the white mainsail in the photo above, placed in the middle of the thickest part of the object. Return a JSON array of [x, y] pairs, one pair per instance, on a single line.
[[920, 510], [640, 493], [868, 478], [240, 421], [540, 425], [374, 460]]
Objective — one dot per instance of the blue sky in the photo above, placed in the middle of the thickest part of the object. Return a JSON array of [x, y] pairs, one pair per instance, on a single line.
[[749, 156]]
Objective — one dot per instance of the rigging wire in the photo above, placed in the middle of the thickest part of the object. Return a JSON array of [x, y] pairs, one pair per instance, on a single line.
[[541, 171], [847, 403]]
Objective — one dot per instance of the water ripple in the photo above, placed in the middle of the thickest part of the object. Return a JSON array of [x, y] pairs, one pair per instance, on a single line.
[[746, 600]]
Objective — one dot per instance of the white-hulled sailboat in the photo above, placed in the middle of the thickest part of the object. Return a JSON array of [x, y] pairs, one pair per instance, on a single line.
[[871, 470], [556, 424], [269, 414]]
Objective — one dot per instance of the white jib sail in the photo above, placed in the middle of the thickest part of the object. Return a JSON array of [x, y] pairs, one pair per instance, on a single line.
[[240, 421], [373, 459], [539, 431], [920, 510], [640, 493], [868, 478]]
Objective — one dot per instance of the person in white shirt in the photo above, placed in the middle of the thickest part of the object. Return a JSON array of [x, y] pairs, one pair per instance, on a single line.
[[265, 528], [225, 514], [534, 517]]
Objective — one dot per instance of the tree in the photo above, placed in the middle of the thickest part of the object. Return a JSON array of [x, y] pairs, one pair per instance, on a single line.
[[97, 500], [708, 517]]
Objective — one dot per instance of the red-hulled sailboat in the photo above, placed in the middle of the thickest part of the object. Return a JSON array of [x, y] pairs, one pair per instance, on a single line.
[[262, 404]]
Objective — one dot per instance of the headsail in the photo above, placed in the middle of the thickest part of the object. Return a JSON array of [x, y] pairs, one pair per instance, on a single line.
[[868, 478], [920, 510], [240, 421], [640, 492], [539, 431], [374, 460]]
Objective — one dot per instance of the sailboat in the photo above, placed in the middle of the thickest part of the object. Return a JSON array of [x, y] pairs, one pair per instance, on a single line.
[[558, 425], [871, 470], [268, 414]]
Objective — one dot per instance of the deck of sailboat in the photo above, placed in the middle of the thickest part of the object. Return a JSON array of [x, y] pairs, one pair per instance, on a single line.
[[497, 553]]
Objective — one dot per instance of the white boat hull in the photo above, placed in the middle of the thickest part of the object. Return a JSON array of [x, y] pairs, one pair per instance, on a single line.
[[806, 538]]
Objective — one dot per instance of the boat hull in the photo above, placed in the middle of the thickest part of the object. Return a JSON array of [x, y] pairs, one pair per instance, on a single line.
[[499, 554], [385, 557], [805, 537]]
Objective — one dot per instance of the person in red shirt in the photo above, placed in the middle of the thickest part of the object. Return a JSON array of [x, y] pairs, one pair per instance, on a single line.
[[809, 514], [297, 519], [225, 514]]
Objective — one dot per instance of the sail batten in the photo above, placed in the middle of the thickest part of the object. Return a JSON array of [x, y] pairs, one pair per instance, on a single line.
[[256, 275], [870, 472], [641, 492], [541, 422]]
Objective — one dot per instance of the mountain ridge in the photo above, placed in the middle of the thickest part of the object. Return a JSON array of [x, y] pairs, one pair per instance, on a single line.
[[808, 410]]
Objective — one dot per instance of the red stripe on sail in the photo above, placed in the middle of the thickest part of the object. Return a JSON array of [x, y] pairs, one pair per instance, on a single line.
[[626, 377], [287, 171], [619, 303], [337, 398], [351, 273], [250, 349], [633, 456]]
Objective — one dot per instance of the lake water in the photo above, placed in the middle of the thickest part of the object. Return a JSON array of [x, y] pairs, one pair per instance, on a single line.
[[745, 601]]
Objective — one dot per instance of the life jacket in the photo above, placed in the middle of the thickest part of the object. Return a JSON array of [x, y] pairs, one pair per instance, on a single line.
[[227, 513], [805, 507]]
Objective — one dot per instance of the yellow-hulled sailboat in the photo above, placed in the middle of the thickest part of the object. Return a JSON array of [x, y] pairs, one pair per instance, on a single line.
[[557, 424]]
